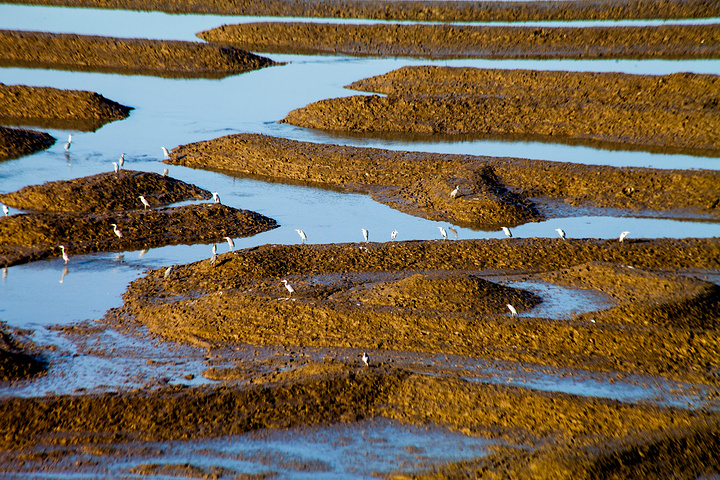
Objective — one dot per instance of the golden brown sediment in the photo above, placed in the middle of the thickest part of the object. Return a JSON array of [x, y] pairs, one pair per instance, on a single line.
[[16, 361], [494, 192], [677, 113], [54, 108], [372, 296], [17, 142], [511, 11], [457, 41], [124, 56]]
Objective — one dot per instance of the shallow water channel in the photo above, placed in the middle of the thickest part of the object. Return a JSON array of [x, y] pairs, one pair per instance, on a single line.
[[170, 112]]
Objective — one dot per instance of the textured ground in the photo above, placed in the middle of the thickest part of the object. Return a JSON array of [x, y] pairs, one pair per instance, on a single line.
[[17, 142]]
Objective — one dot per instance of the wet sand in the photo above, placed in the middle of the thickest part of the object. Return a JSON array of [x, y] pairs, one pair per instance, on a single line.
[[79, 215], [124, 56], [17, 142], [510, 11], [494, 192], [453, 41], [54, 108], [675, 113]]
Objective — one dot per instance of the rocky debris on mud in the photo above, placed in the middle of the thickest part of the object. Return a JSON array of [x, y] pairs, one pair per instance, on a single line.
[[54, 108], [677, 112], [17, 142], [493, 191], [163, 58], [104, 192], [427, 10], [371, 296], [16, 361], [460, 41], [79, 214]]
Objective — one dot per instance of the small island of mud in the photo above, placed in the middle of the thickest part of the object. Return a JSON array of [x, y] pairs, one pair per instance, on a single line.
[[454, 41], [18, 142], [54, 108], [493, 192], [676, 113], [162, 58], [79, 214]]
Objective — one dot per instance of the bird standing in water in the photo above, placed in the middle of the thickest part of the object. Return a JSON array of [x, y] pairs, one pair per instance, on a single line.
[[121, 162], [443, 233], [230, 242], [64, 254], [216, 197], [6, 210], [303, 237], [68, 143], [622, 236], [507, 231], [561, 232], [166, 154], [393, 235], [365, 235], [513, 312], [289, 287]]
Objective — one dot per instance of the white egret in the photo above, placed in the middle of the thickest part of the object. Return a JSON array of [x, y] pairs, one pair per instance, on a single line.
[[231, 244], [213, 259], [454, 232], [622, 236], [6, 210], [443, 233], [165, 152], [561, 232], [455, 192], [366, 359], [116, 167], [303, 237], [144, 202], [115, 229], [68, 143], [507, 231], [365, 235], [64, 254], [165, 172], [393, 235], [216, 197], [122, 160], [214, 249], [513, 312], [289, 287], [143, 252], [168, 271]]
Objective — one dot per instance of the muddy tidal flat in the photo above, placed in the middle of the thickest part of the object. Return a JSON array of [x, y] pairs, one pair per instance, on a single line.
[[17, 142]]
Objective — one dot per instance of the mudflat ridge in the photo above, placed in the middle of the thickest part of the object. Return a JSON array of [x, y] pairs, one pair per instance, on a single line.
[[18, 142]]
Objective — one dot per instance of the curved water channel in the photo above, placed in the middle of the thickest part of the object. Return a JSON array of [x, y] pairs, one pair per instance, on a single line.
[[170, 112]]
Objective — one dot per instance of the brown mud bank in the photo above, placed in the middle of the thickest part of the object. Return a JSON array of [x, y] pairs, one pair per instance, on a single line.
[[551, 435], [453, 41], [421, 10], [396, 296], [54, 108], [17, 362], [124, 56], [18, 142], [676, 113], [79, 215], [494, 192]]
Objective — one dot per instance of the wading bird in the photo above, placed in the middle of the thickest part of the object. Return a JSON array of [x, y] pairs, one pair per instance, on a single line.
[[168, 271], [144, 202], [455, 192], [213, 259], [68, 143], [166, 154], [165, 172], [214, 249], [561, 232], [289, 287], [507, 231], [454, 232], [303, 237], [366, 359], [231, 244], [443, 233], [365, 235], [393, 235], [513, 312], [122, 160], [6, 210], [64, 254], [216, 197], [115, 229], [116, 167], [622, 236]]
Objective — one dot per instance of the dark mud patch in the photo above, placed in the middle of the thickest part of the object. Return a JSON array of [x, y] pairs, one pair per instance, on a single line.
[[54, 108], [370, 297], [678, 112], [17, 361], [124, 56], [16, 142], [30, 237], [421, 10], [493, 192], [455, 41], [104, 192]]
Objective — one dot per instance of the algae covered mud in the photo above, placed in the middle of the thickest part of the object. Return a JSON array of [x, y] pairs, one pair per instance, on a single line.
[[453, 348]]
